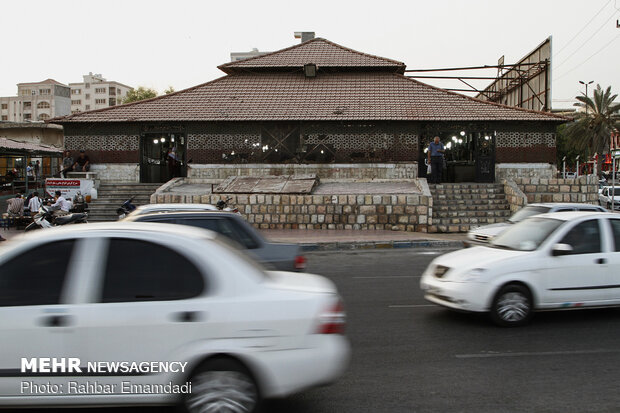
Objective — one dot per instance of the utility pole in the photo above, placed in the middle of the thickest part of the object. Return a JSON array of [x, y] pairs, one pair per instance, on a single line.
[[586, 84]]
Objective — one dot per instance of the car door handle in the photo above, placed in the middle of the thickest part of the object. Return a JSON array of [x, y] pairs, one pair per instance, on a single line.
[[56, 320], [600, 261], [188, 316]]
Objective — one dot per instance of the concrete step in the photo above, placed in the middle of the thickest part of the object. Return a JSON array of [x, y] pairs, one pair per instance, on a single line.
[[468, 207]]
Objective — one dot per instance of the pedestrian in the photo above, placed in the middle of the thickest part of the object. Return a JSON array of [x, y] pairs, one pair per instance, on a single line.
[[15, 206], [67, 164], [61, 206], [435, 159], [35, 203], [82, 163], [37, 170]]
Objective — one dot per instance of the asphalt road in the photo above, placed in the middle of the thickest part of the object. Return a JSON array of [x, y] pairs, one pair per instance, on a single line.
[[411, 356]]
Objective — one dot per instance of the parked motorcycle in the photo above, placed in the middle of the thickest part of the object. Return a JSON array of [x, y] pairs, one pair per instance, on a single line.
[[222, 205], [79, 203], [45, 218], [126, 208]]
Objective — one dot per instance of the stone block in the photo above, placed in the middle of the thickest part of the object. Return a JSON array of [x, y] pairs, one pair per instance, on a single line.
[[367, 209]]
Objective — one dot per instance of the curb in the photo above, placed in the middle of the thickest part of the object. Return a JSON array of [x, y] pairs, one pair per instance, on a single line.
[[369, 245]]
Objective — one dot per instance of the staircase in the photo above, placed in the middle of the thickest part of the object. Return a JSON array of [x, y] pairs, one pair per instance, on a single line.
[[460, 207], [111, 196]]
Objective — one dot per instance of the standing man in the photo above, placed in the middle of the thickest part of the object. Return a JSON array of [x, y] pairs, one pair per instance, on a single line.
[[435, 159], [67, 164], [82, 163], [35, 203]]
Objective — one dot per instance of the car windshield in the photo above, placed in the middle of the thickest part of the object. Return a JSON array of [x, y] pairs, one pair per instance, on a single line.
[[527, 235], [527, 212]]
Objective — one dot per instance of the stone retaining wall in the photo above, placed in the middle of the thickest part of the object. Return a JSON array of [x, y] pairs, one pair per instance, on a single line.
[[514, 196], [363, 212], [582, 190], [407, 170]]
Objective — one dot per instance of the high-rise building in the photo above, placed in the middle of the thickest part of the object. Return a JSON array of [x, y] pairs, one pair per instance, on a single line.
[[95, 92], [36, 101]]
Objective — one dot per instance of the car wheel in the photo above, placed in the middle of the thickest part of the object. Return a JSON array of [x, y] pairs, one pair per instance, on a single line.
[[512, 306], [222, 385]]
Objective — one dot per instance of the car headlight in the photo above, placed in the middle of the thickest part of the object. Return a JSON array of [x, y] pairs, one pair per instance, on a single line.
[[471, 275]]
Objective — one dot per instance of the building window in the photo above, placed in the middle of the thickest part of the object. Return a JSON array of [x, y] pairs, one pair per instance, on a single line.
[[118, 91], [27, 116], [45, 91], [44, 116], [87, 85], [76, 91], [112, 102], [5, 117], [87, 107], [25, 92], [76, 102], [76, 111], [27, 105], [100, 90], [5, 106], [43, 105], [87, 96], [100, 101]]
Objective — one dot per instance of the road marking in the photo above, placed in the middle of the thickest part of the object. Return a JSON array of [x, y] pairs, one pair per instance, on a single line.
[[389, 276], [411, 305], [535, 353]]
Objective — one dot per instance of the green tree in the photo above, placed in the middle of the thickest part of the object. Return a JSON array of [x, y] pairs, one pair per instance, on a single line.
[[591, 130], [169, 90], [140, 93], [565, 148]]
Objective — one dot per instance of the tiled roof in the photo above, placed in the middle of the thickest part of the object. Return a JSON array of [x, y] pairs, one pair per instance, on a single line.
[[329, 96], [321, 52], [27, 147], [43, 82]]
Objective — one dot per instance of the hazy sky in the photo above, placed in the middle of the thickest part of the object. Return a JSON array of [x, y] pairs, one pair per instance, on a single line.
[[160, 43]]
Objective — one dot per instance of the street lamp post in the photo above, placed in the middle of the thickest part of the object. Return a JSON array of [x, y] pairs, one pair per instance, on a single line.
[[586, 85]]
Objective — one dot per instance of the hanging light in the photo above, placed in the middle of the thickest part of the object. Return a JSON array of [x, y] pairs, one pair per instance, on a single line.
[[172, 139], [460, 140], [322, 151], [454, 138], [232, 153], [155, 141], [462, 133], [163, 140]]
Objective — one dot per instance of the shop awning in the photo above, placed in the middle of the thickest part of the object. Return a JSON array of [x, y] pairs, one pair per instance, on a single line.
[[9, 146]]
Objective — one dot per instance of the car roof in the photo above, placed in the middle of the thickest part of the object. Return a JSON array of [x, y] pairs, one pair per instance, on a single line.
[[574, 215], [97, 229], [198, 213], [561, 204], [177, 206]]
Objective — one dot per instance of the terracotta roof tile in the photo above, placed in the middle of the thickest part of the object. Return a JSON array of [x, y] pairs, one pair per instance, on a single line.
[[329, 96], [321, 52]]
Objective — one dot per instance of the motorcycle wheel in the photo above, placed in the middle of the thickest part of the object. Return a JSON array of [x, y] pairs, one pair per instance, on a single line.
[[31, 227]]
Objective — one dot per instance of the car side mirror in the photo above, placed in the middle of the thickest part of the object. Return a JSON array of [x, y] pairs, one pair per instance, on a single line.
[[561, 249]]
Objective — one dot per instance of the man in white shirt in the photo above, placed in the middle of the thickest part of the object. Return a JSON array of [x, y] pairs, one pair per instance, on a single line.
[[35, 203], [61, 206]]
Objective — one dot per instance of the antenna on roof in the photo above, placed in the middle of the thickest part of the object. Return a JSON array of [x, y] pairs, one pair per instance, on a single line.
[[304, 36]]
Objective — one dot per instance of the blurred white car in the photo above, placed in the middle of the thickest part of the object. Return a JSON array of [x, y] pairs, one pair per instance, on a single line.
[[123, 292], [484, 234], [150, 208], [562, 260], [605, 197]]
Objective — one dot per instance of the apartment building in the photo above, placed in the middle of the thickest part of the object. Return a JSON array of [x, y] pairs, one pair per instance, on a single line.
[[95, 92], [36, 101]]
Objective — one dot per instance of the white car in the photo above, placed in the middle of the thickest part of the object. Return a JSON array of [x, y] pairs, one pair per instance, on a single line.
[[605, 197], [150, 208], [484, 234], [208, 328], [561, 260]]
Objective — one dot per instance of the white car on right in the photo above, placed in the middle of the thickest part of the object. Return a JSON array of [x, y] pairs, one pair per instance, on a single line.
[[609, 196], [567, 260], [486, 233]]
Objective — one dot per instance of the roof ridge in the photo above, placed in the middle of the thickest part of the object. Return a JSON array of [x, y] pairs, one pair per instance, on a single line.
[[501, 105], [227, 65], [124, 105]]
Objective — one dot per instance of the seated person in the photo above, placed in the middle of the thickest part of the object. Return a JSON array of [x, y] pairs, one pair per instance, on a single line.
[[16, 206], [82, 163], [61, 206]]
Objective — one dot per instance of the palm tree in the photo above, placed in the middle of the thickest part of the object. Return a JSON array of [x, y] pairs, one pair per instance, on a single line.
[[592, 127]]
